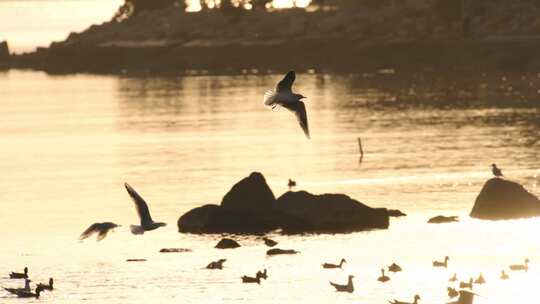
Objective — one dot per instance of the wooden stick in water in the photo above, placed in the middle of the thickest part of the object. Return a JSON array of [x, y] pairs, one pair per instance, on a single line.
[[361, 150]]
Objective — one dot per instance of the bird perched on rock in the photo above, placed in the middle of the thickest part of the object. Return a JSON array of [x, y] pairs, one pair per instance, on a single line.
[[283, 96], [291, 184], [147, 223], [100, 228], [496, 171]]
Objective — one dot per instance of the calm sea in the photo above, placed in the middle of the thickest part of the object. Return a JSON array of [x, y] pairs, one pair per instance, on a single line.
[[70, 142]]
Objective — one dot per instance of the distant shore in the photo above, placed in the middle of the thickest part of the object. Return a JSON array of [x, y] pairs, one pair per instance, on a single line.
[[168, 42]]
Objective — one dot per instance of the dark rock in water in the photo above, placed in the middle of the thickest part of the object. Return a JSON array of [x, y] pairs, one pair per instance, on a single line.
[[328, 212], [227, 244], [502, 199], [169, 250], [440, 219], [277, 251], [216, 219], [395, 213], [250, 207], [136, 260], [252, 194]]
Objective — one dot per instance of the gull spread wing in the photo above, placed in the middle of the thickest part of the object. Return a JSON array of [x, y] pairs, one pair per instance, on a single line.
[[285, 85], [299, 109], [140, 204], [102, 234], [89, 231]]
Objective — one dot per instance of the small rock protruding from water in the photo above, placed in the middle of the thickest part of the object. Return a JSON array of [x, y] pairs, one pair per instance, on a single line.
[[227, 244]]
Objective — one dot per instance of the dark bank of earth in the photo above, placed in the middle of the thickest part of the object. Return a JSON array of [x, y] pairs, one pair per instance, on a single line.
[[344, 40], [501, 199], [250, 207]]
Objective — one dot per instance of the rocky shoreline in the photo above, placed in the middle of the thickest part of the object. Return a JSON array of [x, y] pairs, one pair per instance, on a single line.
[[168, 42]]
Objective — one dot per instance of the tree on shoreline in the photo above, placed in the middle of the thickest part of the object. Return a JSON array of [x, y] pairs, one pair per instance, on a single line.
[[134, 7]]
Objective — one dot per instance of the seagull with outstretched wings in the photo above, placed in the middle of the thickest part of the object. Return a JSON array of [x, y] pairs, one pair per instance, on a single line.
[[283, 96], [100, 228], [147, 223]]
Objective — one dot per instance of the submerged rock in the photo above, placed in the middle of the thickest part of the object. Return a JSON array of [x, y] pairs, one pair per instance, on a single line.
[[277, 251], [251, 207], [227, 244], [502, 199], [176, 250], [440, 219]]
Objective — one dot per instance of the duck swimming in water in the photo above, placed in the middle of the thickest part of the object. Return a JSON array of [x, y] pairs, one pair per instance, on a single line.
[[17, 290], [29, 294], [394, 268], [47, 286], [216, 264], [519, 267], [18, 275], [504, 276], [416, 298], [147, 224], [480, 280], [441, 264], [465, 297], [246, 279], [262, 274], [330, 265], [349, 287], [452, 292], [453, 278], [383, 278], [466, 285]]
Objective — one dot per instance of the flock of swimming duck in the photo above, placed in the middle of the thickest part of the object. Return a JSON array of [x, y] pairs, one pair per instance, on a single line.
[[26, 291]]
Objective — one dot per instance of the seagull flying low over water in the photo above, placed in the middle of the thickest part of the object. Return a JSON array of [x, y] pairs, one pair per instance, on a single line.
[[100, 228], [147, 223], [283, 96]]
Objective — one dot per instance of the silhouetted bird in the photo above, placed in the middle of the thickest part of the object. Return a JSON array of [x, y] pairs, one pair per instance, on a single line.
[[383, 278], [18, 275], [416, 298], [480, 280], [17, 290], [269, 242], [246, 279], [283, 96], [100, 228], [496, 171], [47, 286], [262, 274], [504, 276], [524, 267], [29, 294], [441, 264], [147, 223], [452, 292], [330, 265], [291, 184], [216, 264], [344, 288], [465, 297], [453, 278], [394, 268], [466, 285]]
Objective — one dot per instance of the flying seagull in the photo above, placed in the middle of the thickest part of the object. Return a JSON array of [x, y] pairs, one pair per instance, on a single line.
[[100, 228], [147, 223], [283, 96]]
